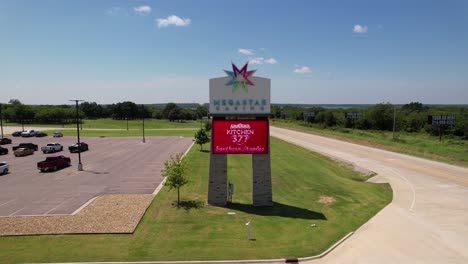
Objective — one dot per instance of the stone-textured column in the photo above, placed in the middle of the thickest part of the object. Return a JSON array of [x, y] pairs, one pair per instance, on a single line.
[[217, 184], [261, 189]]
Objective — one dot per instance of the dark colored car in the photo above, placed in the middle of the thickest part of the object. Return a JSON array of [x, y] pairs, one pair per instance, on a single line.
[[58, 134], [53, 163], [41, 134], [4, 141], [26, 145], [3, 151], [78, 147], [17, 133]]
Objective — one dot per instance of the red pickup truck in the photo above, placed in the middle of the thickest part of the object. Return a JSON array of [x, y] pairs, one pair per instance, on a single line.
[[53, 163]]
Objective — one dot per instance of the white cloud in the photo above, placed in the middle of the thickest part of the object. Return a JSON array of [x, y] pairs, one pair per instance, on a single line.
[[271, 61], [261, 60], [258, 60], [360, 29], [116, 11], [173, 20], [246, 51], [142, 10], [302, 70]]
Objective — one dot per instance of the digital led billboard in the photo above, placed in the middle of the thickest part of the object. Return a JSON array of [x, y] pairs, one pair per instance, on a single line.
[[240, 136]]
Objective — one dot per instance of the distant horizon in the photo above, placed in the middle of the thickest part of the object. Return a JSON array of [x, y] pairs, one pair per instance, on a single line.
[[273, 103]]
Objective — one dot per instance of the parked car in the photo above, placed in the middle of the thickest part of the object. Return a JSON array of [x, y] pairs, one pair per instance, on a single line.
[[53, 163], [25, 145], [52, 147], [41, 134], [58, 134], [23, 152], [78, 147], [4, 167], [4, 141], [28, 133], [3, 151], [17, 133]]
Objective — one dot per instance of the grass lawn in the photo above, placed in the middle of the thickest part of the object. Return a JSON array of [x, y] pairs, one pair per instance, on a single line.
[[450, 150], [124, 133], [109, 123], [199, 232]]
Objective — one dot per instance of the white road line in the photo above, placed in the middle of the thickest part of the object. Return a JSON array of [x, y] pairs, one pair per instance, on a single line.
[[8, 202]]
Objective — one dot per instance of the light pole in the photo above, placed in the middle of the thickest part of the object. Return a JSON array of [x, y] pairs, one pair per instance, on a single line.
[[143, 115], [127, 122], [394, 121], [1, 118], [80, 165]]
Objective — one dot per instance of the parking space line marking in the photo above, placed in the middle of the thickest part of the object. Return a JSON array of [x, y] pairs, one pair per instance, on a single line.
[[55, 207], [8, 202], [84, 205], [17, 211]]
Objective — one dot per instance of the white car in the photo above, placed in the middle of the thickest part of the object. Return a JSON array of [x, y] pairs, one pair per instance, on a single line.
[[4, 167], [52, 147], [28, 133]]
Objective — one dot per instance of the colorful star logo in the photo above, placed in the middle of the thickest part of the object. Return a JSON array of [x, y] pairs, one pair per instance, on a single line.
[[239, 78]]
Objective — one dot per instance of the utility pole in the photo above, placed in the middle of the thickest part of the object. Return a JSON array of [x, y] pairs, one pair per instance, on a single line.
[[80, 165]]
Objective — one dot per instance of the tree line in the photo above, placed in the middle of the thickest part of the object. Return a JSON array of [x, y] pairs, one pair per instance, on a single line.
[[412, 117], [17, 112]]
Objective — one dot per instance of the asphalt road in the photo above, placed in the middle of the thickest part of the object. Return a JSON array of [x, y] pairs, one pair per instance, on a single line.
[[427, 221], [113, 165]]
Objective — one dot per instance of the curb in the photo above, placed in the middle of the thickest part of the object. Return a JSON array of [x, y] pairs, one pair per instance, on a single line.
[[161, 185], [283, 260]]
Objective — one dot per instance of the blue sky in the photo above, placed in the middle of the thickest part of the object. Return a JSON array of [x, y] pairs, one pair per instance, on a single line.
[[159, 51]]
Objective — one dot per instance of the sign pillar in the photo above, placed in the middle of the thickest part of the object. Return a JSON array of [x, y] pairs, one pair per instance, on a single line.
[[217, 186], [240, 106]]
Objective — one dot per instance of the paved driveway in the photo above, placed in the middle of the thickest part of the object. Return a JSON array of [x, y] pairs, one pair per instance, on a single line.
[[112, 166], [427, 221]]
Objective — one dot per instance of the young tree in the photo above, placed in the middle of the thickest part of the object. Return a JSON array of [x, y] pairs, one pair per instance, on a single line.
[[175, 170], [201, 138]]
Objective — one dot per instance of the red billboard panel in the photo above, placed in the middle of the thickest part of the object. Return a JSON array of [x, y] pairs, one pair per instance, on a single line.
[[240, 136]]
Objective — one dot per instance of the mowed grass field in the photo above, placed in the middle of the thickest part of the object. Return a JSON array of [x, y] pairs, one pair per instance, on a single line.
[[450, 150], [125, 133], [200, 232], [109, 123]]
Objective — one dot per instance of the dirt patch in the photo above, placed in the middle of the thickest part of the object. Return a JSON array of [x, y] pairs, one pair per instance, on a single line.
[[327, 199]]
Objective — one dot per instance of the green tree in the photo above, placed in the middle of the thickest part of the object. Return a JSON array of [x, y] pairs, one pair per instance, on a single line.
[[176, 114], [381, 117], [201, 137], [414, 107], [174, 171], [167, 109], [91, 110], [201, 111], [208, 126]]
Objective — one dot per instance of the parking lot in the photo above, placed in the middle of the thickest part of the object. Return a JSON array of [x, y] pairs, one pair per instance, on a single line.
[[113, 165]]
